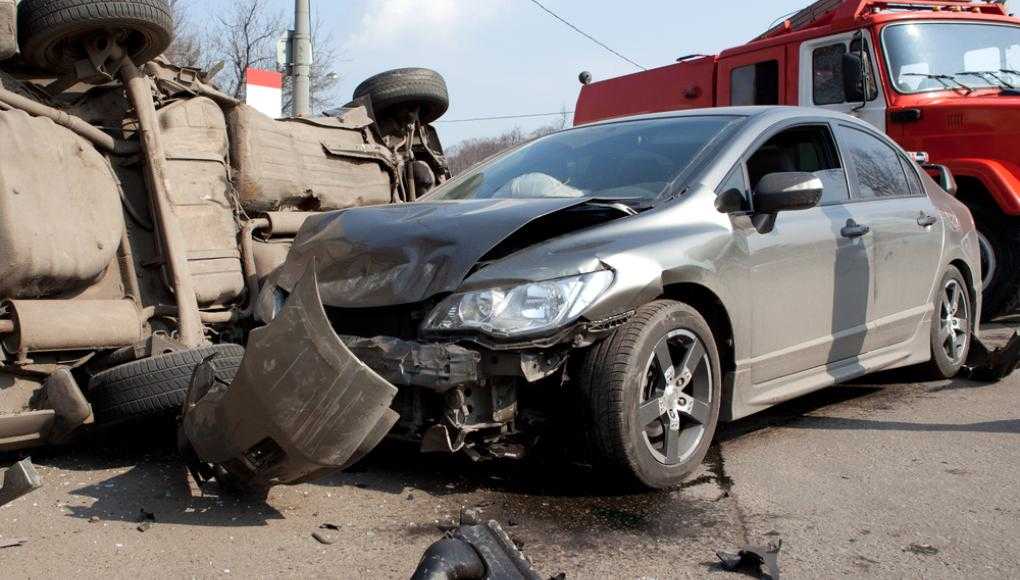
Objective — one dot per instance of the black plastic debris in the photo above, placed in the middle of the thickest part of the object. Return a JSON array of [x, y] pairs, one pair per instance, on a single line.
[[18, 480], [754, 558], [989, 364], [478, 552], [145, 520]]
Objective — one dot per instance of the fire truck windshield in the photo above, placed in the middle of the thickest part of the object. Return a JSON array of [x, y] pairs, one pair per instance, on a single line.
[[923, 56]]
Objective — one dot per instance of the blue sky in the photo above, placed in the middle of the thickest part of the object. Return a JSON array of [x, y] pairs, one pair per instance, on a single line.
[[506, 57]]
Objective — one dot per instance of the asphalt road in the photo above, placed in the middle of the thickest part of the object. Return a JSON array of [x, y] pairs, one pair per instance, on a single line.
[[882, 478]]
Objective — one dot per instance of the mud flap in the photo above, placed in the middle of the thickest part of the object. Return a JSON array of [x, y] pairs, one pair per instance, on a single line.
[[301, 404]]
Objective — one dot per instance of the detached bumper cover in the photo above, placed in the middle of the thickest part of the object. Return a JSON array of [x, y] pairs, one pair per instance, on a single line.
[[301, 402]]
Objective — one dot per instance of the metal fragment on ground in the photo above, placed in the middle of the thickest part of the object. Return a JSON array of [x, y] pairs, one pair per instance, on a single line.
[[18, 480]]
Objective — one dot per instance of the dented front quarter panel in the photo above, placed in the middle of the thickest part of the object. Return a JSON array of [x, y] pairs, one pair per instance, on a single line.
[[683, 241], [301, 401]]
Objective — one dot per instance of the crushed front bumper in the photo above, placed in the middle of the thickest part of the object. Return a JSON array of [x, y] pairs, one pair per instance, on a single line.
[[301, 403]]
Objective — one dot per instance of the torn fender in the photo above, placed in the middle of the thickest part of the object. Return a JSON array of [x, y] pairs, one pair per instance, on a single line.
[[301, 402]]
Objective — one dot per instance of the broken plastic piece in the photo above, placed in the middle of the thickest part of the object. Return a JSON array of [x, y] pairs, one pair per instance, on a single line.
[[300, 405], [482, 552], [18, 480], [754, 557], [993, 364]]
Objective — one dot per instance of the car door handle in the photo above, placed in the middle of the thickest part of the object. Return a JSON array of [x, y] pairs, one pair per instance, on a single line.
[[854, 230], [925, 220]]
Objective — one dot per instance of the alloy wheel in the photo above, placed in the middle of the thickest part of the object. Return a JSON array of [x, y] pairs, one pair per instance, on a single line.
[[676, 398], [954, 317]]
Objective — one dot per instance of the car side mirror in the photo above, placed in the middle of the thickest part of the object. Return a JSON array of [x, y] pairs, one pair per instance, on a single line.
[[792, 191], [943, 176], [854, 78]]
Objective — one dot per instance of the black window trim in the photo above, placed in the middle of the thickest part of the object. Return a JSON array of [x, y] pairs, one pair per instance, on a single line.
[[854, 198]]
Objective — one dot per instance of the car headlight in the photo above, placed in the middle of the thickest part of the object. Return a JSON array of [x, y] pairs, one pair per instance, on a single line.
[[520, 310]]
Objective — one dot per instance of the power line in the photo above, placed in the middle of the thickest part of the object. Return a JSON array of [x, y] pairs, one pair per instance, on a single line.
[[585, 34], [503, 117]]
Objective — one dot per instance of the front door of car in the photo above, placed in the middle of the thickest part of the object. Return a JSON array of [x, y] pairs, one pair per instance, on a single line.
[[810, 279], [903, 223], [821, 77]]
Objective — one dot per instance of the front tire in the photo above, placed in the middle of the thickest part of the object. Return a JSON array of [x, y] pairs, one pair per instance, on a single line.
[[651, 396], [952, 326]]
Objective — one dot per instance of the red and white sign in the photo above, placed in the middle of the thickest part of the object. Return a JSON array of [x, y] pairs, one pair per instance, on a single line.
[[265, 91]]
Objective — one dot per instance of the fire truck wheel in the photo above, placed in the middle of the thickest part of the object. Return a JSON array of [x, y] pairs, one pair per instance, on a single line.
[[52, 33], [1000, 260], [407, 88], [155, 386]]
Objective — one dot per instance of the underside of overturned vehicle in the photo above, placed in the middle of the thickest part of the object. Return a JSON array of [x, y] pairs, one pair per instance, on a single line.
[[141, 208]]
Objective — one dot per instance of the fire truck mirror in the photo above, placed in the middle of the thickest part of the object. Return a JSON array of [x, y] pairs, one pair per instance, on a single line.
[[854, 77]]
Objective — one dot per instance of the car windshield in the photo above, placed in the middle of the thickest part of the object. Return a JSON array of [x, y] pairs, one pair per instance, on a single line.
[[939, 56], [626, 160]]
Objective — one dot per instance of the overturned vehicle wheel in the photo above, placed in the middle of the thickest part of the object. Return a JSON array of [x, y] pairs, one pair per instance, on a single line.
[[407, 90], [155, 386], [53, 33]]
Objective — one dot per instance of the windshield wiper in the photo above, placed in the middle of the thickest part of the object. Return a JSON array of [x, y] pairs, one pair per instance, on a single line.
[[945, 80], [986, 75]]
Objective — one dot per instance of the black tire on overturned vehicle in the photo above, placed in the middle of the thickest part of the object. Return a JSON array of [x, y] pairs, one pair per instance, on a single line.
[[50, 31], [404, 89], [156, 386], [634, 405]]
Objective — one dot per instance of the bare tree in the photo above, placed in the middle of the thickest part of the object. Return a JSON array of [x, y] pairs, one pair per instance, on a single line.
[[188, 46], [244, 35], [472, 151]]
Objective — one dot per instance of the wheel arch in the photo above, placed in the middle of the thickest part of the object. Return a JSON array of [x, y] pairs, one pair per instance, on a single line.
[[709, 305]]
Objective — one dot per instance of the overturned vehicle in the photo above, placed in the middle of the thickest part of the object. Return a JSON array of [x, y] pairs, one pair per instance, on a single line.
[[617, 288], [141, 208]]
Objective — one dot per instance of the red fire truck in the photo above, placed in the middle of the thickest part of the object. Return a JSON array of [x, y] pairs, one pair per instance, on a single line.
[[939, 76]]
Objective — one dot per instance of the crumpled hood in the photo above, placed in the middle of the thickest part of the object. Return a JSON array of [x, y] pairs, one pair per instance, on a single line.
[[404, 254]]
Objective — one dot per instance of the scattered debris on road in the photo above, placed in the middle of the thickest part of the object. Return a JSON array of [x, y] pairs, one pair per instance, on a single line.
[[13, 543], [922, 549], [324, 538], [990, 364], [475, 552], [19, 480], [753, 558]]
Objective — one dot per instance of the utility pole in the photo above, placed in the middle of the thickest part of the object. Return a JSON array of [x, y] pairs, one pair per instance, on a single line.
[[302, 47]]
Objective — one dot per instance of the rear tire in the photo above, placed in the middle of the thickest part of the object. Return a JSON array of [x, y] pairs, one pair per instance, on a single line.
[[156, 386], [641, 431], [1000, 241], [51, 32], [406, 89], [952, 327]]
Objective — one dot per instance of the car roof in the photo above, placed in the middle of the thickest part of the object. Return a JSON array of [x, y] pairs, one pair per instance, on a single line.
[[765, 113]]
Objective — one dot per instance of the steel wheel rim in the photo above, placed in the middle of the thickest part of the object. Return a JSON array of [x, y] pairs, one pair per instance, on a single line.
[[676, 397], [989, 263], [954, 321]]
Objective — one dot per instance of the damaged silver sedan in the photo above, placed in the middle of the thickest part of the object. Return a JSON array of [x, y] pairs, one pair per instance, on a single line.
[[623, 286]]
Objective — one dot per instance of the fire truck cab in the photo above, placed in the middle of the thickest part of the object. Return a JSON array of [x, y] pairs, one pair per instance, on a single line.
[[939, 76]]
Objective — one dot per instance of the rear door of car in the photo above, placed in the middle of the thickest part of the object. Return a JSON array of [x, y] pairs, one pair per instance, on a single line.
[[903, 223]]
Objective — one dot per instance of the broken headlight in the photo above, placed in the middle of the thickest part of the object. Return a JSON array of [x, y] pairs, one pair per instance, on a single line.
[[520, 310]]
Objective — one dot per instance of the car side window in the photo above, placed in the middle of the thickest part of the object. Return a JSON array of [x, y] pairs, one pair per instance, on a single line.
[[916, 188], [877, 168], [755, 84], [827, 70], [808, 149]]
